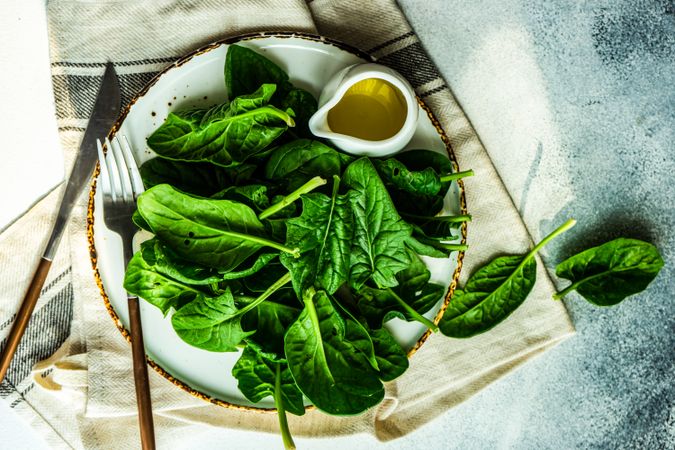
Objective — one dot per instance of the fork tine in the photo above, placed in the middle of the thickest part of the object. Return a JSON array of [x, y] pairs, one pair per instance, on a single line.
[[104, 176], [136, 181], [115, 183], [127, 192], [113, 169]]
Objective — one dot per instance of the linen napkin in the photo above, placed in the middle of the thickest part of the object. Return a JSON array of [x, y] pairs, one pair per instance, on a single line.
[[95, 406]]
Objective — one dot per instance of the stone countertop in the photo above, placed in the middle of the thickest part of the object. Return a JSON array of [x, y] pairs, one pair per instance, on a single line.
[[584, 94]]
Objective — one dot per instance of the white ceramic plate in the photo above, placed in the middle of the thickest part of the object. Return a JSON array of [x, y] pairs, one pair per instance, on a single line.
[[197, 80]]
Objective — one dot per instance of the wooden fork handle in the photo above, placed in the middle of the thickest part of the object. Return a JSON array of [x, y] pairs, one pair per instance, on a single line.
[[141, 380], [23, 316]]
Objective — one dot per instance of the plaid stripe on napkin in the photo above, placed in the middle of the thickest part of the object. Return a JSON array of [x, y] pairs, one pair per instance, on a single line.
[[84, 398]]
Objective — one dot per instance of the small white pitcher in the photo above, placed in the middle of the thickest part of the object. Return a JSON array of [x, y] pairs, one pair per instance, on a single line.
[[335, 90]]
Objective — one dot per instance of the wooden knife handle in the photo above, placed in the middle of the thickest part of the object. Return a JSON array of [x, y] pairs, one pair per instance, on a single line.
[[141, 380], [23, 316]]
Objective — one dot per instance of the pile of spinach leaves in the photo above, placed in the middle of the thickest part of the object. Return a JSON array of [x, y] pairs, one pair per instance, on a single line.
[[270, 241]]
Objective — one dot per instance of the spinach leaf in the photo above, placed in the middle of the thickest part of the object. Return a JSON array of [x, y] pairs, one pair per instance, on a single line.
[[413, 297], [214, 323], [424, 182], [215, 233], [256, 374], [286, 201], [246, 71], [323, 233], [357, 334], [158, 289], [433, 247], [429, 248], [162, 259], [140, 222], [304, 105], [328, 368], [203, 179], [252, 195], [607, 274], [418, 180], [265, 277], [442, 228], [210, 323], [378, 248], [295, 162], [413, 180], [392, 360], [222, 135], [493, 292], [259, 377], [257, 263], [270, 320]]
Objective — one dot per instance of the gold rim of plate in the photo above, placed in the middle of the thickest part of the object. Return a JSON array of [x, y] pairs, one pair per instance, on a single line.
[[248, 37]]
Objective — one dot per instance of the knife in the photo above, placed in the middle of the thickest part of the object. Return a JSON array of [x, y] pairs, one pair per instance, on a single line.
[[106, 110]]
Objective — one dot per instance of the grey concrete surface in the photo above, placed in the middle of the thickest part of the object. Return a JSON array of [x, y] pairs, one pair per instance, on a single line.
[[607, 70]]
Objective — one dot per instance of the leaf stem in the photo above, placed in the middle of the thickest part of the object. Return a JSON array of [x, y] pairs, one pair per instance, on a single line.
[[293, 196], [270, 290], [281, 412], [457, 176], [573, 286], [444, 245], [451, 219], [293, 251], [414, 314], [561, 229], [564, 292]]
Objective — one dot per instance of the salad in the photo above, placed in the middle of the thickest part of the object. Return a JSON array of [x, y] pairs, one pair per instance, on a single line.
[[271, 242]]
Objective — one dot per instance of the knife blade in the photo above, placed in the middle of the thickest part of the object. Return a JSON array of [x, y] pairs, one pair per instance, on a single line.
[[106, 110]]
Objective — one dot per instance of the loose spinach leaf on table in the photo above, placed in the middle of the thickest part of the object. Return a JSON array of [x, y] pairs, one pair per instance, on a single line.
[[323, 233], [204, 179], [607, 274], [211, 323], [329, 369], [493, 292], [378, 248], [225, 134], [215, 233], [413, 297], [296, 162], [259, 377]]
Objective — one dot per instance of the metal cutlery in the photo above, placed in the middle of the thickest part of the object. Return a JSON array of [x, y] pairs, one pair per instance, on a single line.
[[121, 184]]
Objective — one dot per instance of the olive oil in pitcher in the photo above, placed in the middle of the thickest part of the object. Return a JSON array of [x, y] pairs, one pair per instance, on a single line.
[[372, 109]]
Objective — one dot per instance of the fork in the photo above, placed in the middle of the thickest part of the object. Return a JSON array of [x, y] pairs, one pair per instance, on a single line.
[[121, 185]]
